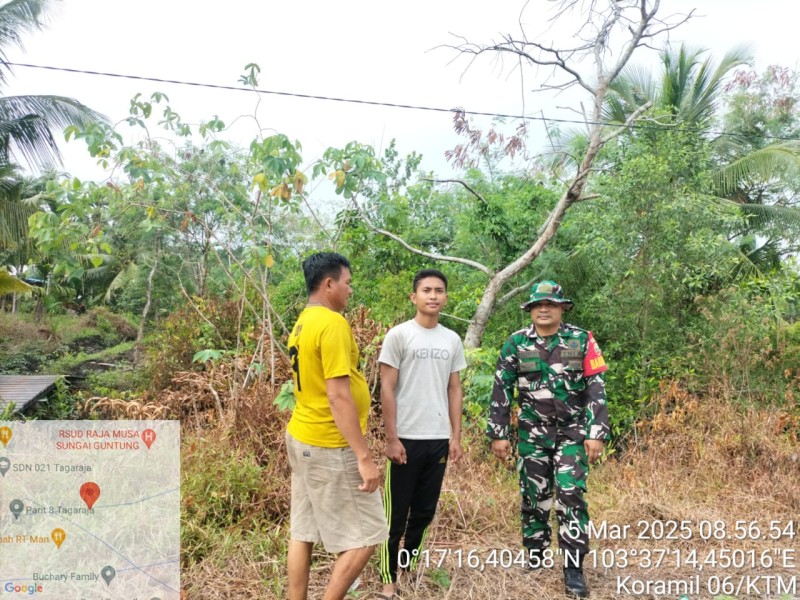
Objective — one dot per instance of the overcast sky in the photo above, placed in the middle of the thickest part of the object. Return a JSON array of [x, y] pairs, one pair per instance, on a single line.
[[370, 50]]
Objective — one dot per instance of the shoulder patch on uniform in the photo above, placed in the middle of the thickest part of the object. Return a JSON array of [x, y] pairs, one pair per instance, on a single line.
[[593, 362]]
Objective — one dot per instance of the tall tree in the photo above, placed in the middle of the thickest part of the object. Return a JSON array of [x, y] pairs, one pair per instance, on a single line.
[[613, 30], [753, 163], [28, 124]]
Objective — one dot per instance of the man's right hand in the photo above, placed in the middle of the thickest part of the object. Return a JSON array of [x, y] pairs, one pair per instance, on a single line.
[[501, 449], [396, 452], [369, 475]]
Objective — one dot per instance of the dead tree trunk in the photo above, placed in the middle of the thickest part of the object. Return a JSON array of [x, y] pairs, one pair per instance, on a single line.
[[611, 32]]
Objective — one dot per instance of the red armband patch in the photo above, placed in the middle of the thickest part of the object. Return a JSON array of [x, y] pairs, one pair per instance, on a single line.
[[593, 362]]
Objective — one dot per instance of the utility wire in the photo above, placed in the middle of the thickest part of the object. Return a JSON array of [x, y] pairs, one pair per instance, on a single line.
[[373, 102]]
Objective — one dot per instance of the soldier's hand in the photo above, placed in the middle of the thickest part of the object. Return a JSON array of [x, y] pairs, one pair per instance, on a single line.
[[501, 449], [396, 452], [594, 448], [369, 475]]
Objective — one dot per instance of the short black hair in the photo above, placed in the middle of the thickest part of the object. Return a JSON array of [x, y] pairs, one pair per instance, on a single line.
[[321, 265], [429, 273]]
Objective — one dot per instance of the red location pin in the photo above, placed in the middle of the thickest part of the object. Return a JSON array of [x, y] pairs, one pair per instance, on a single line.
[[148, 437], [90, 492]]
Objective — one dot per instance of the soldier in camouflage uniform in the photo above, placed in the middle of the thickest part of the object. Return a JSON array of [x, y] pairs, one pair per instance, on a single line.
[[557, 370]]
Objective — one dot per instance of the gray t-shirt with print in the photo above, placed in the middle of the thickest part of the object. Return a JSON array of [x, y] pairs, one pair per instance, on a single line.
[[424, 358]]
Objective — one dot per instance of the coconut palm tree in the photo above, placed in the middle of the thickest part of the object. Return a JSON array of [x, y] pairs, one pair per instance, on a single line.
[[689, 91], [689, 88], [27, 123], [28, 126]]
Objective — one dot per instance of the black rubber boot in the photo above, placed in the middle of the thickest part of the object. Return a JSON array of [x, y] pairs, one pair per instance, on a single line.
[[574, 583]]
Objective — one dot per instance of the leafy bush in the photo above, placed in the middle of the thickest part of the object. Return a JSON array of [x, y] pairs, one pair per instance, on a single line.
[[477, 382], [744, 348], [172, 348], [60, 404], [230, 487], [114, 327], [114, 382]]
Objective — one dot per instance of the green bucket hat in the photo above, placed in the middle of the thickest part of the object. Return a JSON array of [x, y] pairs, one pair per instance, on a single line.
[[547, 290]]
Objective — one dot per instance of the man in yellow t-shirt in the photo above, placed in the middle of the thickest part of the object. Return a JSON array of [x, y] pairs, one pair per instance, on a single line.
[[334, 479]]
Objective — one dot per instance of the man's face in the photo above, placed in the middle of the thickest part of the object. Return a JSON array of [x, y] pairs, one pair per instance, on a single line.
[[546, 313], [340, 289], [430, 297]]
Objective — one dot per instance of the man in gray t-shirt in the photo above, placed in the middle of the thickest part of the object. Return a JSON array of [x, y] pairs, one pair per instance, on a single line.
[[422, 402]]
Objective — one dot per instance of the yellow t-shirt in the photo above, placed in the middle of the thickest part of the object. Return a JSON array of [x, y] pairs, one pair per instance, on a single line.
[[322, 346]]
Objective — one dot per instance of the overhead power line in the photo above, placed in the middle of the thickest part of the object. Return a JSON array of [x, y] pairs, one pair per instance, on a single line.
[[234, 88]]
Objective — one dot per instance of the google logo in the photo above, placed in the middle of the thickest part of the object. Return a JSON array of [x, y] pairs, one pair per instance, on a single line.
[[30, 590]]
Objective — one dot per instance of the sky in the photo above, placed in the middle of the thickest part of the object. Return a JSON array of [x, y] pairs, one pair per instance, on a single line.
[[389, 52]]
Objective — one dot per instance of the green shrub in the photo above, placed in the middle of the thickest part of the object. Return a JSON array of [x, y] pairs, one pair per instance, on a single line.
[[227, 494], [211, 324], [477, 382], [60, 404]]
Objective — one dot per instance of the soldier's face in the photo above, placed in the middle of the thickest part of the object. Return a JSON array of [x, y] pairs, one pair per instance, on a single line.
[[546, 314]]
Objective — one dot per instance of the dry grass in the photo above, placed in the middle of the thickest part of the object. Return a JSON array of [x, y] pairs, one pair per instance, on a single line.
[[698, 460], [703, 460]]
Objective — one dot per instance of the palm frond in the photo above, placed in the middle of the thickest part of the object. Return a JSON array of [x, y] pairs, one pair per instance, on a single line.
[[764, 258], [565, 148], [123, 278], [763, 215], [27, 124], [629, 91], [703, 94], [12, 285], [764, 165], [14, 216], [616, 109], [17, 18]]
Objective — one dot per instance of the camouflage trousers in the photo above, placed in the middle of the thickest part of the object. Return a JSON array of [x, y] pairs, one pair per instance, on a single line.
[[563, 466]]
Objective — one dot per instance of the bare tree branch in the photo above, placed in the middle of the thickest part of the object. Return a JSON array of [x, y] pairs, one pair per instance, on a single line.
[[517, 290], [587, 197], [410, 248], [462, 182], [628, 122]]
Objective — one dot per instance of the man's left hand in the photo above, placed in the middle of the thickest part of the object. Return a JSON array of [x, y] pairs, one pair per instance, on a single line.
[[456, 452], [594, 448]]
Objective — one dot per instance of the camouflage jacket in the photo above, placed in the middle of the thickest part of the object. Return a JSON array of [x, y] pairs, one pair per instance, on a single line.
[[559, 383]]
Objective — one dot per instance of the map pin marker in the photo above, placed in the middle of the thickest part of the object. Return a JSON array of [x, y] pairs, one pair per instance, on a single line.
[[90, 492], [148, 437], [5, 435], [108, 573], [16, 508], [58, 536], [5, 465]]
